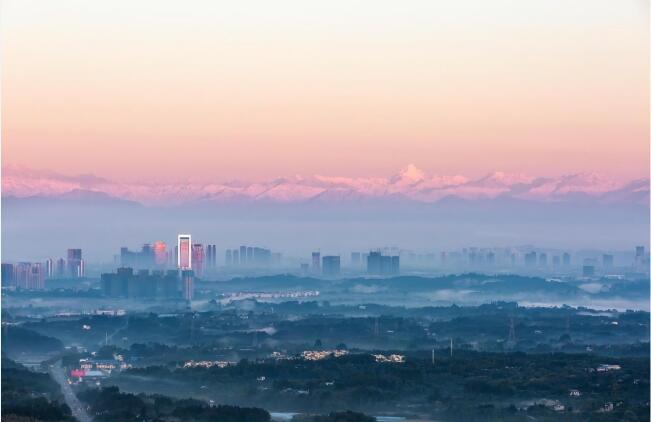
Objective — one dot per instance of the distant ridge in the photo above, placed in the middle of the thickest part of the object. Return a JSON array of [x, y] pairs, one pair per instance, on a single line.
[[409, 184]]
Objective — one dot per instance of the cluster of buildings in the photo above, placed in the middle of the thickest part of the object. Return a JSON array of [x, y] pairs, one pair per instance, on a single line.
[[150, 271], [93, 370], [32, 275], [155, 272], [328, 266], [143, 284], [533, 260], [322, 354], [156, 256], [252, 257], [607, 264], [394, 358], [527, 259], [207, 363], [175, 283], [376, 264], [292, 294], [380, 261]]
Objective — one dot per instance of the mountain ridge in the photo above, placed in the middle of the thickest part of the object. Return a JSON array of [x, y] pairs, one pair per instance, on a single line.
[[409, 184]]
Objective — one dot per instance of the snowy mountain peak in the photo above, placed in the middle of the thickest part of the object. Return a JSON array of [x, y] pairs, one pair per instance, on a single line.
[[410, 183], [409, 175]]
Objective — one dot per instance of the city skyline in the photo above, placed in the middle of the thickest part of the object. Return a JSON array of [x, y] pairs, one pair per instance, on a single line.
[[325, 211], [156, 255]]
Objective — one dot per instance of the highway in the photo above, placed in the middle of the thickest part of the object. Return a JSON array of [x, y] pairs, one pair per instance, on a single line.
[[78, 409]]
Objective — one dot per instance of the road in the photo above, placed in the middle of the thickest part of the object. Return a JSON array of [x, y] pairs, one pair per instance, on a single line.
[[78, 409]]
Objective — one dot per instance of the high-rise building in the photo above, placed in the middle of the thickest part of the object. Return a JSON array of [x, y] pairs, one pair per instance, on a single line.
[[74, 262], [378, 264], [213, 256], [374, 263], [542, 260], [7, 277], [385, 264], [608, 261], [187, 283], [184, 257], [588, 270], [236, 257], [566, 259], [639, 251], [589, 265], [331, 265], [355, 259], [198, 257], [37, 276], [228, 259], [21, 274], [316, 262], [154, 285], [160, 253], [556, 261], [249, 255], [242, 255], [61, 267], [261, 257], [490, 258], [49, 268], [210, 256], [443, 258], [641, 261], [116, 285], [530, 259], [147, 257], [126, 258], [30, 276], [395, 265]]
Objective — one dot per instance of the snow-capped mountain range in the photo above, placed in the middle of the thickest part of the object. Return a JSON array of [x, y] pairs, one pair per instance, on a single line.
[[410, 183]]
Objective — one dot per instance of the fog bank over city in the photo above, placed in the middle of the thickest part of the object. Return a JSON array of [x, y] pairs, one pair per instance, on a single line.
[[38, 227]]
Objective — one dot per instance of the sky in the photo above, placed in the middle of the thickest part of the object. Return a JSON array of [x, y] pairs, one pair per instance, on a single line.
[[164, 90]]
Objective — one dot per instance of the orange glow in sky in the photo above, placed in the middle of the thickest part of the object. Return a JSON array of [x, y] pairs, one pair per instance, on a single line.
[[257, 89]]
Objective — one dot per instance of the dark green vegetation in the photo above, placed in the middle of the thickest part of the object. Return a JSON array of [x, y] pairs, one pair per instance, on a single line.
[[18, 341], [468, 382], [509, 363], [346, 416], [109, 404], [33, 396], [260, 328]]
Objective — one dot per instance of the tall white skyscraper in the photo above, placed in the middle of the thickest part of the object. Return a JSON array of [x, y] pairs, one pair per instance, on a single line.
[[184, 248]]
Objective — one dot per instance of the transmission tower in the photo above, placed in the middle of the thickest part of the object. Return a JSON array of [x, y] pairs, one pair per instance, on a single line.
[[510, 343], [567, 328]]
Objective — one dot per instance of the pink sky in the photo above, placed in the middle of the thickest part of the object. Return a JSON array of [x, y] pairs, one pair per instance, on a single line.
[[165, 89]]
